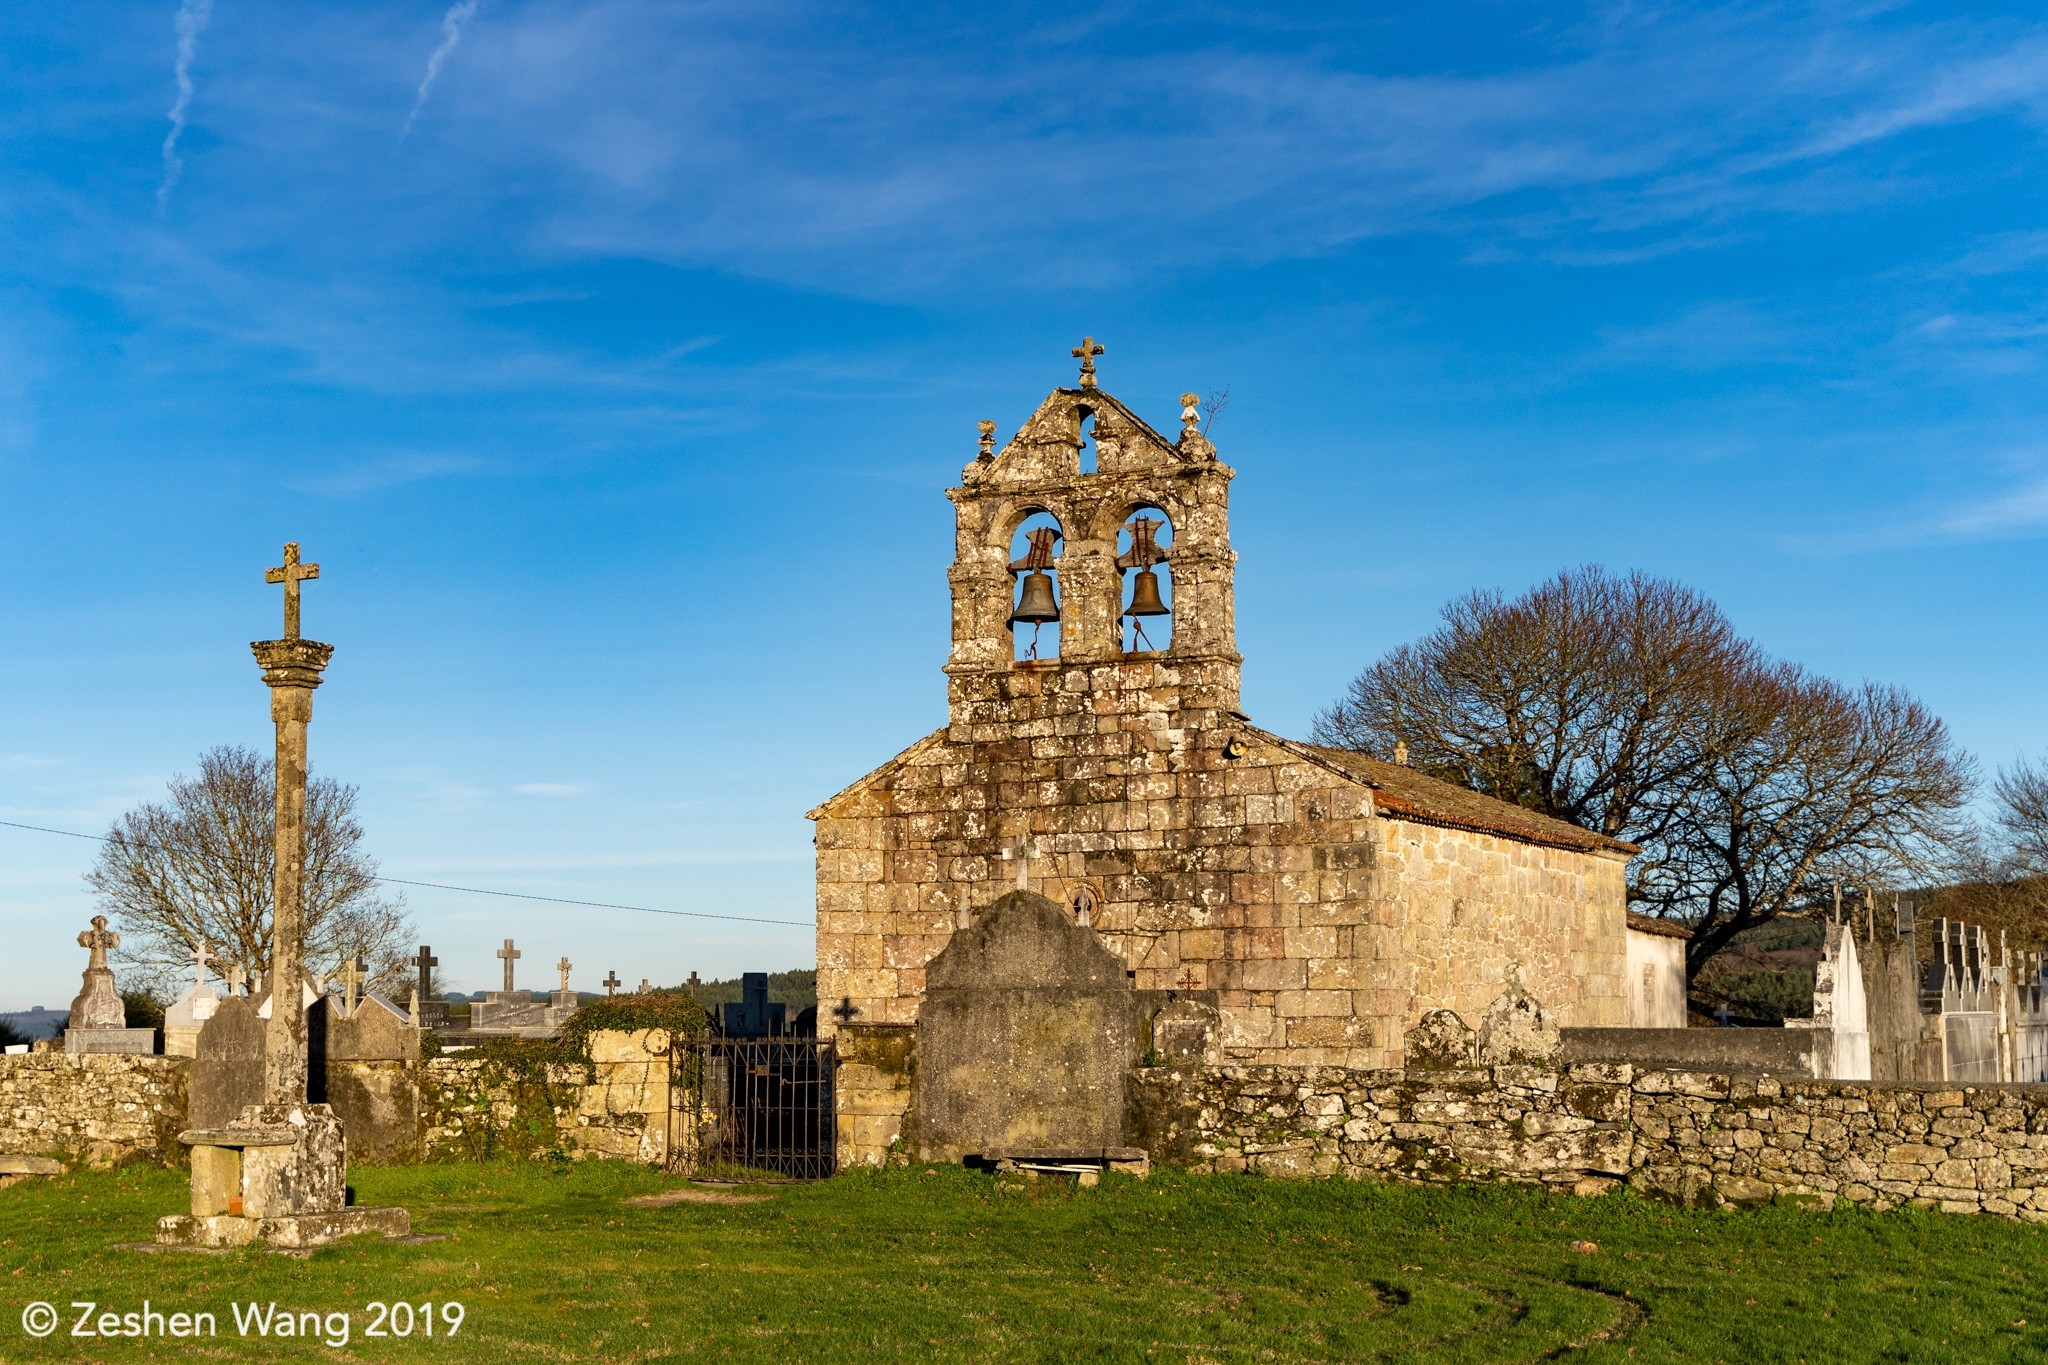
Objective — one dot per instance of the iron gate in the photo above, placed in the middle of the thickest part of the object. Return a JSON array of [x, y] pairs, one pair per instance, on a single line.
[[760, 1106]]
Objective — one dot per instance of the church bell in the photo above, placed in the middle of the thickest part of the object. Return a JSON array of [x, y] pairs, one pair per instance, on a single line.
[[1145, 600], [1036, 604]]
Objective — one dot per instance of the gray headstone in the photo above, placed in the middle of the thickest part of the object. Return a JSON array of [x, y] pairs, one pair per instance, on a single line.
[[227, 1066], [1027, 1029]]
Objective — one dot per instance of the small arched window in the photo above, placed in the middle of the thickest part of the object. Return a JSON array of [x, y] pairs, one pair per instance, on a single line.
[[1035, 589], [1144, 549]]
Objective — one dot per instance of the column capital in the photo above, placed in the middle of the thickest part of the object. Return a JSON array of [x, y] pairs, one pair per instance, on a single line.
[[291, 663]]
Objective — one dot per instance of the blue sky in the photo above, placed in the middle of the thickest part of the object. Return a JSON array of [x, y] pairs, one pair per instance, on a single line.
[[612, 359]]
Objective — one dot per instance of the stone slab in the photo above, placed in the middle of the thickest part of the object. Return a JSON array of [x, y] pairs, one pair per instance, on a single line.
[[30, 1165], [291, 1231], [126, 1041]]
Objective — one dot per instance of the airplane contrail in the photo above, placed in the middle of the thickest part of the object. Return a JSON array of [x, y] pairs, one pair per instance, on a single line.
[[452, 23], [192, 17]]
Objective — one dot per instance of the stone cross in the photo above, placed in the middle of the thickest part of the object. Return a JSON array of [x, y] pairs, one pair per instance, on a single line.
[[1021, 852], [291, 670], [200, 957], [510, 955], [425, 960], [236, 979], [845, 1009], [563, 968], [694, 982], [99, 938], [611, 983], [1086, 353], [645, 986], [291, 573], [352, 976]]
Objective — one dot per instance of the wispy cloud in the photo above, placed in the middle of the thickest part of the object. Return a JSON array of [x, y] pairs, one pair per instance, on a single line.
[[193, 16], [2018, 511], [376, 475], [452, 23], [551, 789]]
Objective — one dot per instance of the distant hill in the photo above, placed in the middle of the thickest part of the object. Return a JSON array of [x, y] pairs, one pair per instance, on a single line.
[[38, 1022], [797, 989]]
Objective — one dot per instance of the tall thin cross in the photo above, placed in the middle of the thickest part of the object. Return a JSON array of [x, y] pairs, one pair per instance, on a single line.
[[291, 573], [352, 975], [200, 957], [425, 960], [1086, 353], [510, 955], [563, 968], [611, 983]]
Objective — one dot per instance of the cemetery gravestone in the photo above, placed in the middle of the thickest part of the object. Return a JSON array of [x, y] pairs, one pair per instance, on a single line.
[[99, 1021]]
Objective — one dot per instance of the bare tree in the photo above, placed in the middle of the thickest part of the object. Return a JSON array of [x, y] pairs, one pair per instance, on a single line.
[[2020, 797], [1802, 778], [1582, 699], [197, 869], [1213, 406], [1631, 706]]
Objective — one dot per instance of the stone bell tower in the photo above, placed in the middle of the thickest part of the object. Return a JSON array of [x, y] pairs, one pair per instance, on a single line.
[[1138, 476]]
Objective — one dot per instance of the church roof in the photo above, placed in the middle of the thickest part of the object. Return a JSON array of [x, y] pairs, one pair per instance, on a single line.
[[1404, 793]]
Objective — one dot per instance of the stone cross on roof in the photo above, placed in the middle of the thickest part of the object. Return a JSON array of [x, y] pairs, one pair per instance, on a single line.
[[200, 957], [563, 968], [1086, 353], [291, 573], [611, 983], [352, 975], [510, 955], [99, 938]]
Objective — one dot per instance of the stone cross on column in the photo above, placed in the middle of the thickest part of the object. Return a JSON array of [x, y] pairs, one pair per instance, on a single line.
[[510, 956], [611, 983], [291, 573], [563, 968], [291, 670], [200, 957], [352, 976]]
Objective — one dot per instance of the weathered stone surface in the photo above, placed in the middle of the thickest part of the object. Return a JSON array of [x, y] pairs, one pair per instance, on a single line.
[[1517, 1028], [1026, 1034], [1441, 1041], [227, 1065], [101, 1109]]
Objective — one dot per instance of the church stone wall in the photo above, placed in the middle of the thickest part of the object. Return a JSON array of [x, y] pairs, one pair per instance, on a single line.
[[1265, 876]]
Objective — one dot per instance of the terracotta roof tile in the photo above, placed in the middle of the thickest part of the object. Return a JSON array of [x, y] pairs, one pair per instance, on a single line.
[[1404, 792]]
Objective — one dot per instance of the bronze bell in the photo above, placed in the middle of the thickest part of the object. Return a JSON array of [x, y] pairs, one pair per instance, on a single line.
[[1145, 599], [1036, 604]]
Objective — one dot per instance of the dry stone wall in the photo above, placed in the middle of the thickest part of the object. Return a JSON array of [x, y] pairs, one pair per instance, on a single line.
[[1693, 1138], [96, 1108]]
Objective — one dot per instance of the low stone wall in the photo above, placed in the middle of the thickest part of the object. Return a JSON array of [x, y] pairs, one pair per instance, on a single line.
[[618, 1106], [104, 1109], [96, 1108], [1693, 1138]]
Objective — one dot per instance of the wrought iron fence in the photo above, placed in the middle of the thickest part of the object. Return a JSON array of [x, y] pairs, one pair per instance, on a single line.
[[753, 1106]]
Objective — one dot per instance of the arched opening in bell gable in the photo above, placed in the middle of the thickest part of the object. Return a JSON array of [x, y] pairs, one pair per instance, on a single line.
[[1144, 547], [1087, 453], [1035, 588]]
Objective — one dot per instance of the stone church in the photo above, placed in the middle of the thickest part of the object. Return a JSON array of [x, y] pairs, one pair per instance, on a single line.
[[1321, 900]]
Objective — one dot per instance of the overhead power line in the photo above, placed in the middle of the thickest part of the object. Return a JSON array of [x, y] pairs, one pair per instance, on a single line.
[[486, 891]]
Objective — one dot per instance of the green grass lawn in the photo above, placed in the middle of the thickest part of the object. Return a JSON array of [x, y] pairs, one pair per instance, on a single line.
[[553, 1265]]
